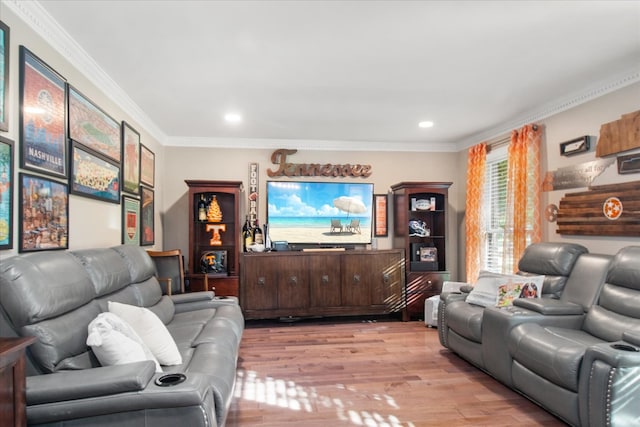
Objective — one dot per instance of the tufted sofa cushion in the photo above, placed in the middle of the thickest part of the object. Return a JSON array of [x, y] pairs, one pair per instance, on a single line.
[[618, 308], [47, 295], [553, 260]]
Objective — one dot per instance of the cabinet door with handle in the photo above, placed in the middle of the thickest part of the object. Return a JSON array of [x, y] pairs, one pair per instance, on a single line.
[[260, 284], [421, 286], [293, 282], [324, 281], [356, 280], [388, 280]]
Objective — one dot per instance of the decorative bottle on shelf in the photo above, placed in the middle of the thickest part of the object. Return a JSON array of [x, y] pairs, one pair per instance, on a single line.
[[247, 237], [202, 209], [267, 240], [258, 237]]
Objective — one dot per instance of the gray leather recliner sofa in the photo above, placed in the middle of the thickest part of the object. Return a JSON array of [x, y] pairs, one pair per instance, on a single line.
[[460, 325], [577, 356], [55, 295]]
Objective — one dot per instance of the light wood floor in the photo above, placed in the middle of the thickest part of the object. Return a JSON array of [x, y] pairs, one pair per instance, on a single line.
[[371, 373]]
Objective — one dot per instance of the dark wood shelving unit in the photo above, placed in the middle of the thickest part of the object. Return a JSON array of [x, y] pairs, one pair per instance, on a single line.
[[227, 239], [425, 204]]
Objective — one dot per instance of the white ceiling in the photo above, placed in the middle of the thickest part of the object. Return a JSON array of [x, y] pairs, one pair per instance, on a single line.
[[325, 72]]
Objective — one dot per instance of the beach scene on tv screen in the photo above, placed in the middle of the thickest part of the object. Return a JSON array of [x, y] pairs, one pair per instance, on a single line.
[[319, 212]]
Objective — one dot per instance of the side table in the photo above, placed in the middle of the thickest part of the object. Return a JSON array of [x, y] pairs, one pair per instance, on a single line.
[[12, 381]]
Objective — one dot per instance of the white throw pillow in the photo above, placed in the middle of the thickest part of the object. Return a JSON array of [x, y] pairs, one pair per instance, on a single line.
[[152, 331], [485, 290], [114, 342]]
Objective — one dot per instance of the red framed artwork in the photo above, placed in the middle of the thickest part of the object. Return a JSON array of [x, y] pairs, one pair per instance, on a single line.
[[380, 217]]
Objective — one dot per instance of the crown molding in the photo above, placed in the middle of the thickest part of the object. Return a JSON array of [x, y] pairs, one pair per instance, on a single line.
[[309, 144], [39, 20], [36, 17], [557, 106]]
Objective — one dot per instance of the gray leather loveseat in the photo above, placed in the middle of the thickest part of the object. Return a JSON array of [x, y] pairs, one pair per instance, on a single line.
[[54, 296], [577, 355], [461, 329]]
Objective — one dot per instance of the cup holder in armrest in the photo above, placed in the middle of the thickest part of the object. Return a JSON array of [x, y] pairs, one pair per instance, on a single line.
[[624, 347], [170, 379]]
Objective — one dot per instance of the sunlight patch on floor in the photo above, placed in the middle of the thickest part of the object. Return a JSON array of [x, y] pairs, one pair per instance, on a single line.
[[287, 394]]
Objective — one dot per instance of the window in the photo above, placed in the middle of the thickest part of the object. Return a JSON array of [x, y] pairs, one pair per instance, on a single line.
[[497, 257], [494, 209]]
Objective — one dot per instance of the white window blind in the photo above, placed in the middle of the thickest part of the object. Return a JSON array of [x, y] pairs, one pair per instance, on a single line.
[[494, 210], [495, 256]]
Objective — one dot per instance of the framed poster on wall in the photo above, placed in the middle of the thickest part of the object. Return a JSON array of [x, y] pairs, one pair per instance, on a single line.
[[147, 166], [130, 221], [93, 176], [43, 117], [380, 215], [147, 228], [6, 193], [4, 76], [130, 159], [92, 127], [44, 214]]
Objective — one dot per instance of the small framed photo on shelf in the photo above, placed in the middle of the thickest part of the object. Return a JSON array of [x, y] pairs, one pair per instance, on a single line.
[[428, 254], [130, 221], [44, 214], [213, 262]]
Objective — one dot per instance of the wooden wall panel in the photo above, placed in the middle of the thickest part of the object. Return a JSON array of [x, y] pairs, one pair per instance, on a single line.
[[620, 135], [582, 213]]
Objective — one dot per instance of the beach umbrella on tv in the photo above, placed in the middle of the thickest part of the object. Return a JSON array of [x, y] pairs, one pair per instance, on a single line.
[[349, 205]]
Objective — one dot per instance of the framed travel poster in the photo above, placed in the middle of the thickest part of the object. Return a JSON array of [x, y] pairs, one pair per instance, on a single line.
[[43, 117], [44, 214], [147, 229], [147, 166], [92, 127], [6, 193], [4, 76], [93, 176], [130, 221], [130, 159]]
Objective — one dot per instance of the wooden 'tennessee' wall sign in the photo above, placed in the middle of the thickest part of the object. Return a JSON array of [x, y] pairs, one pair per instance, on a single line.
[[604, 210]]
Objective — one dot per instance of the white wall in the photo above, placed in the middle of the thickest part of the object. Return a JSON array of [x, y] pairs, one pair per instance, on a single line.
[[92, 223]]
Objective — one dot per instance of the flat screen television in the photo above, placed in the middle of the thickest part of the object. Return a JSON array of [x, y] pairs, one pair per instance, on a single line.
[[325, 214]]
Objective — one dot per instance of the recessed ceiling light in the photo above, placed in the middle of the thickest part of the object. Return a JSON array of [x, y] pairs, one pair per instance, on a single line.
[[425, 124], [232, 118]]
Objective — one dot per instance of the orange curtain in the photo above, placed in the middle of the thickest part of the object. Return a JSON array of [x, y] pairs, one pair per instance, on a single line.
[[473, 222], [523, 195]]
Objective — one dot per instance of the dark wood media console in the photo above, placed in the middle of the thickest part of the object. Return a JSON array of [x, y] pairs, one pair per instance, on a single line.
[[322, 283]]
